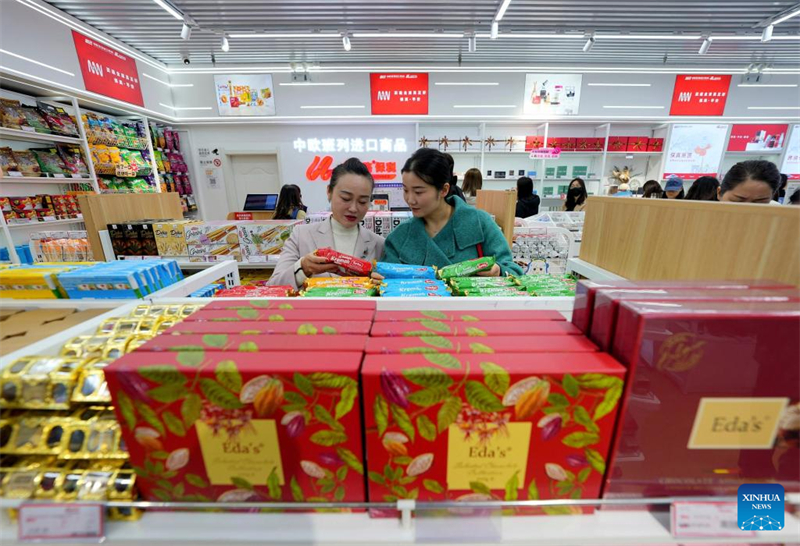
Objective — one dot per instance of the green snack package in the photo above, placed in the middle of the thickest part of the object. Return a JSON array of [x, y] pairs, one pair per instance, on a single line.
[[495, 293], [343, 292], [477, 282], [467, 268]]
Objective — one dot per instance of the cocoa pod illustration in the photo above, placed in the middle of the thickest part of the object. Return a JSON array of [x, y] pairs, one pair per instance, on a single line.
[[148, 438], [532, 400], [269, 399], [519, 388], [312, 469], [552, 427], [555, 472], [396, 448], [177, 459], [575, 460], [295, 423], [420, 464], [252, 388], [330, 459], [395, 388]]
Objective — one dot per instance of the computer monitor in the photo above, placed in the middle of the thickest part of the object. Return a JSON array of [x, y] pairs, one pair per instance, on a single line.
[[261, 201]]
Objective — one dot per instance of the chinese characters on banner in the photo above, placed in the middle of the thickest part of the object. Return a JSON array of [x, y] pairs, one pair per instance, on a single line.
[[699, 95], [695, 150], [321, 165], [791, 162], [756, 138], [399, 94], [106, 71]]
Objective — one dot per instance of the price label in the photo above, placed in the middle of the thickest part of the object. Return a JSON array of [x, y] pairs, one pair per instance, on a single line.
[[58, 175], [15, 173], [60, 522], [706, 519], [243, 215]]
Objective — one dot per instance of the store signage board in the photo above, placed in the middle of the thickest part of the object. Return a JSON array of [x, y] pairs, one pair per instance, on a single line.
[[700, 95], [245, 94], [554, 94], [321, 168], [242, 215], [791, 161], [695, 150], [757, 138], [211, 166], [399, 94], [106, 71], [64, 522], [706, 519], [546, 153]]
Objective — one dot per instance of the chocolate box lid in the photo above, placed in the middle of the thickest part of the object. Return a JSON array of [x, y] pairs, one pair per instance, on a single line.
[[254, 343], [489, 345], [467, 315], [473, 329]]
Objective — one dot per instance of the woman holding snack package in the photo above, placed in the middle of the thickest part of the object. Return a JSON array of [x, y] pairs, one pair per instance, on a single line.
[[444, 230], [349, 193]]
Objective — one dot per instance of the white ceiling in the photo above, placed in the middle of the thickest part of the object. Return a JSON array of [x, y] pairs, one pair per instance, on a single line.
[[143, 25]]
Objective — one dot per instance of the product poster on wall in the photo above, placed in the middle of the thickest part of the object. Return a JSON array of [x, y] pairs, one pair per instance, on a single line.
[[558, 94], [791, 163], [245, 95], [757, 138], [695, 150]]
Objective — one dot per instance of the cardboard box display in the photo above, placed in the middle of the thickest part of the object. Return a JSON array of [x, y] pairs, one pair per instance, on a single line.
[[479, 427], [607, 301], [212, 233], [171, 237], [473, 329], [254, 343], [267, 315], [289, 304], [234, 427], [253, 327], [638, 144], [489, 345], [466, 316], [716, 381]]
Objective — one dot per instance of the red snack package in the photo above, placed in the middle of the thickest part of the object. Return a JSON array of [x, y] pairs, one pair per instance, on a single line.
[[348, 265]]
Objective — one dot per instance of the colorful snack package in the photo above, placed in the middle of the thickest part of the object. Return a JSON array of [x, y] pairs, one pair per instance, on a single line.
[[58, 120], [466, 268], [49, 161], [477, 282], [404, 271], [348, 265], [11, 114], [7, 161], [327, 282], [496, 294], [73, 159], [34, 119], [115, 155], [416, 294], [339, 292], [425, 288], [100, 154], [27, 164]]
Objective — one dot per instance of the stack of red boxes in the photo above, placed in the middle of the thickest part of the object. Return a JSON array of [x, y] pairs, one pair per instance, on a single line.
[[713, 384], [248, 401], [486, 405]]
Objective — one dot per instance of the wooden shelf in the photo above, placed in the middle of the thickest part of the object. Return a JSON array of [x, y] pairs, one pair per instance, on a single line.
[[27, 136]]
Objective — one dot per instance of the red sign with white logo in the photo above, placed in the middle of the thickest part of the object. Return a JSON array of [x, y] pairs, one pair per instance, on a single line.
[[320, 168], [757, 138], [106, 71], [242, 215], [399, 94], [698, 95]]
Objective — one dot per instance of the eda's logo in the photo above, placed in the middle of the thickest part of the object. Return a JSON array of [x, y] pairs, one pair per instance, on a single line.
[[761, 507]]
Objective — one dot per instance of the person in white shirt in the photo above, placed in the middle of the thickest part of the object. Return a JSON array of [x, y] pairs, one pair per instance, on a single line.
[[350, 194]]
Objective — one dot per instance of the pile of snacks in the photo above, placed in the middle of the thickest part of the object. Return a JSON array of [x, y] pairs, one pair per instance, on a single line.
[[110, 132], [121, 162], [63, 160], [60, 246], [39, 208], [42, 118], [337, 287], [548, 285], [252, 291], [172, 168]]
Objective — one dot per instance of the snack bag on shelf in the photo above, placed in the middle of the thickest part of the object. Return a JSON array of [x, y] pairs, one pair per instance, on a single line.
[[59, 120], [27, 163], [35, 119], [466, 268], [11, 114], [168, 140], [7, 161], [404, 271], [73, 159], [115, 155], [49, 161], [159, 160]]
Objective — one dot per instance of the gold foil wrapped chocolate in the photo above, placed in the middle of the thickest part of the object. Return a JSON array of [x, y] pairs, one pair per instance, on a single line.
[[39, 382]]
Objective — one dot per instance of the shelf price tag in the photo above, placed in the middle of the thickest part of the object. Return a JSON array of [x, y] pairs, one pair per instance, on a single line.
[[38, 522], [706, 519]]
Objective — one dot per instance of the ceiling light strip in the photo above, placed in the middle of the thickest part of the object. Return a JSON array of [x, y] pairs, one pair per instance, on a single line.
[[336, 107], [484, 106], [467, 84], [28, 59], [767, 85], [773, 107], [623, 107], [302, 35], [408, 35], [179, 108], [166, 6], [620, 85], [311, 84]]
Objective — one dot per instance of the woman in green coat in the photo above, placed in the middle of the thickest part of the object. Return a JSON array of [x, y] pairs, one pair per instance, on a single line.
[[444, 230]]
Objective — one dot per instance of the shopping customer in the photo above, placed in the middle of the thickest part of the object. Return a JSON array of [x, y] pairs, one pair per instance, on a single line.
[[454, 189], [652, 189], [674, 188], [754, 181], [704, 188], [444, 230], [349, 193], [473, 181], [527, 201], [290, 204], [576, 196]]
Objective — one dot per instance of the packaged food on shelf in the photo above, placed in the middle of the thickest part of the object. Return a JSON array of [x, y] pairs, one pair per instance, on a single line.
[[27, 163], [264, 238], [34, 118], [347, 265], [12, 115], [472, 329], [8, 164], [60, 246], [59, 121], [467, 316], [207, 233], [171, 237], [120, 280], [254, 327], [72, 156], [486, 347], [271, 315], [49, 160], [32, 282]]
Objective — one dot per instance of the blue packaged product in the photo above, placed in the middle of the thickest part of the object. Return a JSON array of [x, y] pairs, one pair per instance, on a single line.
[[404, 271]]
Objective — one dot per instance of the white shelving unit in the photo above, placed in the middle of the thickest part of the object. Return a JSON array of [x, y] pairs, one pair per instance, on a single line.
[[591, 271], [44, 225], [44, 180]]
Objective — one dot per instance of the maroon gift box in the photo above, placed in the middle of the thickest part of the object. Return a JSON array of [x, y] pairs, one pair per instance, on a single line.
[[617, 144], [607, 301], [466, 316], [473, 329], [279, 315], [586, 290], [638, 144], [554, 142], [568, 144], [255, 343], [655, 145], [289, 304], [711, 399], [533, 143], [489, 345]]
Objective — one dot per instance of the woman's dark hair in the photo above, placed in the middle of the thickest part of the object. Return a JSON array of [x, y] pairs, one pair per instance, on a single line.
[[794, 199], [431, 166], [759, 170], [473, 181], [351, 166], [782, 188], [288, 200], [651, 188], [524, 188], [703, 189], [573, 201]]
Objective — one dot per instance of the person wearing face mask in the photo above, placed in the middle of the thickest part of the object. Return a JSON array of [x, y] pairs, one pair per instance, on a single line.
[[350, 194], [754, 181], [444, 230], [576, 196]]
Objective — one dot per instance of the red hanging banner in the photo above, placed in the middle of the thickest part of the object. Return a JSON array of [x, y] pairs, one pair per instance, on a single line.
[[699, 95], [106, 71], [399, 94]]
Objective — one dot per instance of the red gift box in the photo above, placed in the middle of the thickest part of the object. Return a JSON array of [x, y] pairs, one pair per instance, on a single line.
[[568, 144], [463, 344], [533, 143], [607, 301], [589, 144], [617, 144], [554, 142], [476, 428], [466, 316], [293, 303], [254, 343], [253, 327], [638, 144], [655, 145], [233, 427], [272, 315], [585, 293], [473, 329], [717, 382]]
